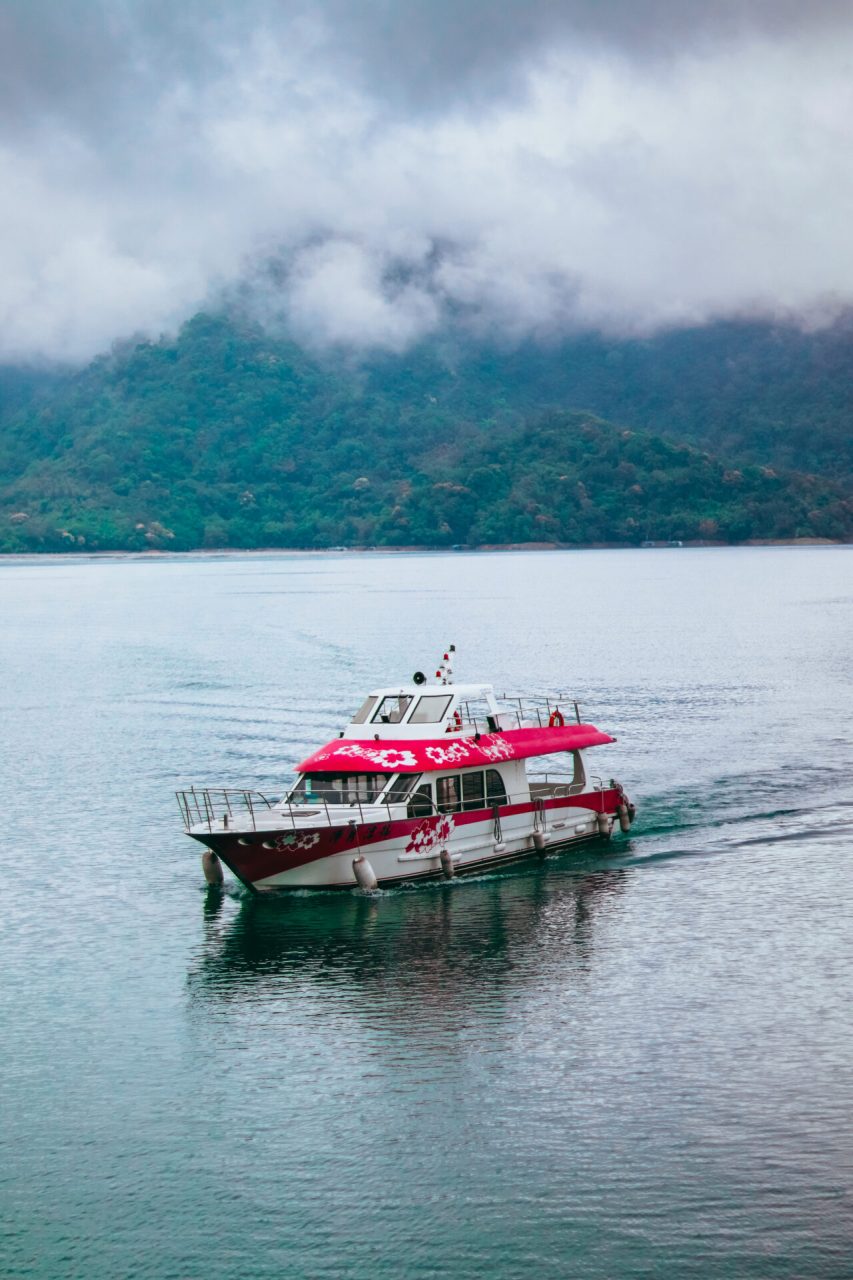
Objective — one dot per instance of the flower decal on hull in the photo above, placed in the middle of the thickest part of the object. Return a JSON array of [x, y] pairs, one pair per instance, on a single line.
[[431, 834], [291, 841]]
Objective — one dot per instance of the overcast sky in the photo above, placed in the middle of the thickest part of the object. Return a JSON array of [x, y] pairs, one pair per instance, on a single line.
[[373, 167]]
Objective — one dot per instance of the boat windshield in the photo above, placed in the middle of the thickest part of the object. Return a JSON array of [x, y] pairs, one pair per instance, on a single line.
[[364, 710], [392, 709], [338, 788], [400, 788], [430, 709]]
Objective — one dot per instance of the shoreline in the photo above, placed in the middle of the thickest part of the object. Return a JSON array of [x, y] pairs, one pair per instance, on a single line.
[[222, 553]]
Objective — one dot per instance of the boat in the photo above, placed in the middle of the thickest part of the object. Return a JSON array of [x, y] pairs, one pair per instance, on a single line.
[[428, 780]]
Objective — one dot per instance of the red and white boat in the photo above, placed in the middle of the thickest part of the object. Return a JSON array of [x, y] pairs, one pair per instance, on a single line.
[[427, 780]]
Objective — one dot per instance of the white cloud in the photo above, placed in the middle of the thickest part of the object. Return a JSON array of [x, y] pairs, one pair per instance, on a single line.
[[618, 191], [337, 295]]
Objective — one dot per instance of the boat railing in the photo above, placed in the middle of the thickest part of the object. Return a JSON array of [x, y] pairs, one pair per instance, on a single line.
[[519, 713], [564, 785], [221, 806], [224, 808], [555, 788], [221, 809]]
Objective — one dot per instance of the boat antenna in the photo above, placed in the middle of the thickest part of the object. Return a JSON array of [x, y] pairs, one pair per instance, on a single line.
[[445, 670]]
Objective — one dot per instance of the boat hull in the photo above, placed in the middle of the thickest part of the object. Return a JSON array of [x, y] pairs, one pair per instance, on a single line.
[[411, 849]]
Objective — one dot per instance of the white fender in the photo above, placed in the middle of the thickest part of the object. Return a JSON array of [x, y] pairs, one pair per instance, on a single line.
[[364, 874], [603, 824], [447, 863], [538, 841], [624, 817], [212, 867]]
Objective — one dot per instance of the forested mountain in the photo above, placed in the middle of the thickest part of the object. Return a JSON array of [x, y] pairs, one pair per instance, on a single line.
[[748, 391], [227, 436], [21, 385]]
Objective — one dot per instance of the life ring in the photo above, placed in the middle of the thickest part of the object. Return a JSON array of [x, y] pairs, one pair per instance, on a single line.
[[556, 720]]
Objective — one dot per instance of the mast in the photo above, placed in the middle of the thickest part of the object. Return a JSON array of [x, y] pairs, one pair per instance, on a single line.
[[445, 670]]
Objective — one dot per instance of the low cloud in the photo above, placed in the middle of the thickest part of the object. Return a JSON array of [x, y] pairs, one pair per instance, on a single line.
[[375, 170]]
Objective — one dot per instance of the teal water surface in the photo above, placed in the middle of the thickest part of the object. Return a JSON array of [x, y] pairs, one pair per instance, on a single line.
[[633, 1061]]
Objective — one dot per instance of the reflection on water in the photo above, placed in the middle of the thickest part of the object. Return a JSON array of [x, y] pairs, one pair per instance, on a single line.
[[438, 941]]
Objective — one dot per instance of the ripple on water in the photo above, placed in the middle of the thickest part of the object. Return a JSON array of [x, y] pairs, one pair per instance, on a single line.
[[629, 1061]]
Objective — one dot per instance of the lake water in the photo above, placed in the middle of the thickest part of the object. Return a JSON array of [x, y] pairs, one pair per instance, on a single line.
[[633, 1062]]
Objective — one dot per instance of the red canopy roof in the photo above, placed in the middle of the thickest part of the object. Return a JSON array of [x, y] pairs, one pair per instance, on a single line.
[[425, 755]]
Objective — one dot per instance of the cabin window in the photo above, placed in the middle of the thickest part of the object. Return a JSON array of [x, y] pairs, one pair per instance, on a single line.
[[430, 709], [392, 710], [338, 788], [400, 788], [473, 791], [495, 789], [364, 710], [420, 805], [448, 794]]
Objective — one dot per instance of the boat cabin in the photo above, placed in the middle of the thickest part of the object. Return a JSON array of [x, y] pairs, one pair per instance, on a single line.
[[422, 711], [430, 749]]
